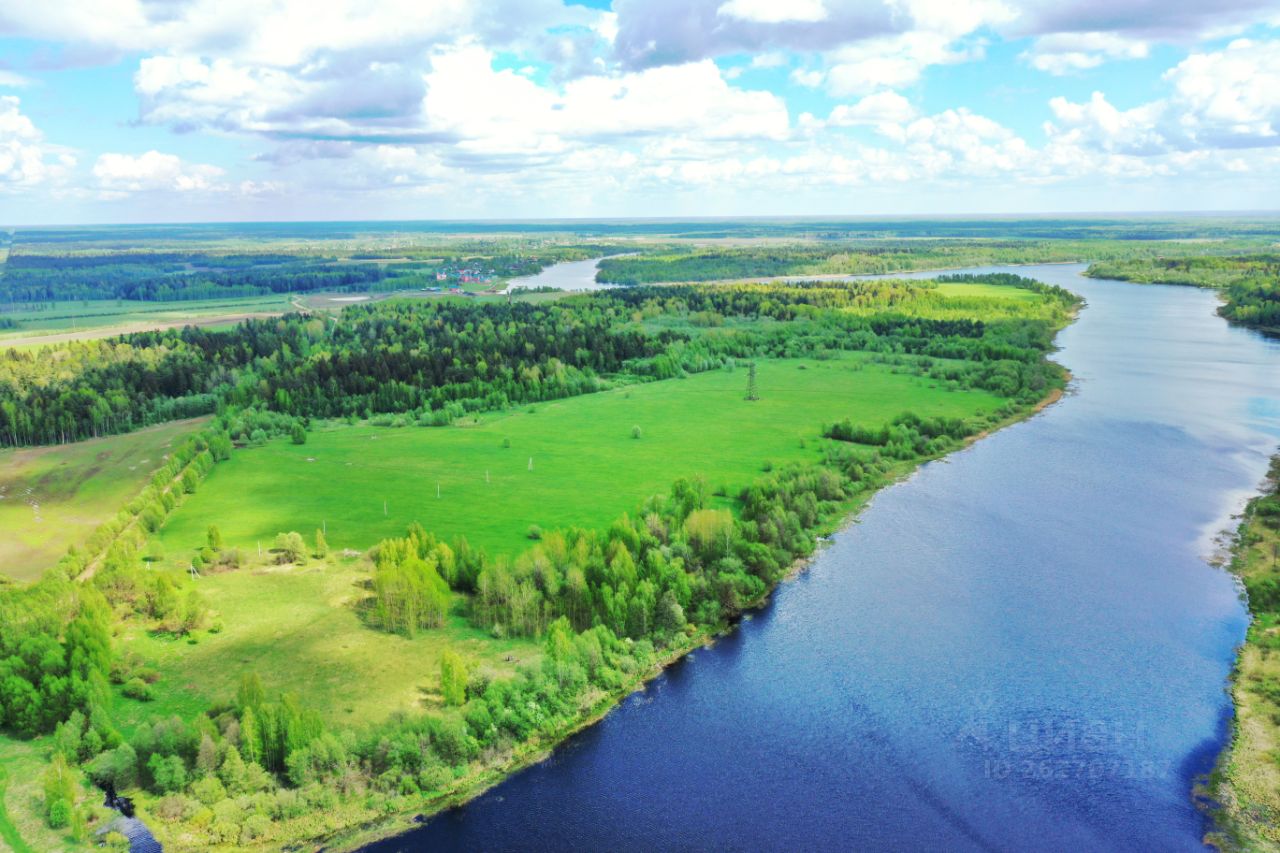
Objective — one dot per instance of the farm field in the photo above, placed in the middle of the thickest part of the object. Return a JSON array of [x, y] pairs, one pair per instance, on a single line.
[[53, 497], [572, 462], [89, 319]]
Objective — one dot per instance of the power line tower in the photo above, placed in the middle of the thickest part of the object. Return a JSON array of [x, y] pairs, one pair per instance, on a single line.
[[752, 391]]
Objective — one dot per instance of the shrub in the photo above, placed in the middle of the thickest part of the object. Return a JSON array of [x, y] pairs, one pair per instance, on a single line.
[[255, 827], [59, 815], [136, 688], [209, 790]]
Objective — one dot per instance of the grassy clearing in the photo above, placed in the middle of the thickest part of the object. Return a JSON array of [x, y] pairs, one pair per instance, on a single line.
[[990, 291], [297, 627], [586, 467], [22, 825], [54, 497]]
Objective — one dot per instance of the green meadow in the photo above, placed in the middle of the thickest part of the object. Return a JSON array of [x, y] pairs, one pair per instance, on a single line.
[[558, 464], [54, 497], [953, 289], [299, 628], [572, 462], [96, 318]]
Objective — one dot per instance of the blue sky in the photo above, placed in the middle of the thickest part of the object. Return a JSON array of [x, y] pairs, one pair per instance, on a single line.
[[139, 111]]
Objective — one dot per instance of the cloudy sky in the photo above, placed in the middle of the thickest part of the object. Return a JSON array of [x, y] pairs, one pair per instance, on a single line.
[[180, 110]]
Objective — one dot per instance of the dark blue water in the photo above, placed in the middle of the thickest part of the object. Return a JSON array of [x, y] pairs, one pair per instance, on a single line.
[[1020, 648]]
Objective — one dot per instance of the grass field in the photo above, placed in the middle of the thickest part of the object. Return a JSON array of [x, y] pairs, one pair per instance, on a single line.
[[987, 291], [297, 628], [53, 497], [61, 321], [570, 462]]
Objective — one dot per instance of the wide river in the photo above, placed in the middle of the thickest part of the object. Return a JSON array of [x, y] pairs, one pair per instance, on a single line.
[[1022, 647]]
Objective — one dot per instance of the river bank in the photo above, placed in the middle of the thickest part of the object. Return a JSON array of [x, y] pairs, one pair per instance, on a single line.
[[383, 835], [1245, 785]]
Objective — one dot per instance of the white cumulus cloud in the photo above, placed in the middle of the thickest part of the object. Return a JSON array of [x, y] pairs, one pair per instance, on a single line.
[[153, 171], [886, 107], [1064, 53], [774, 12], [26, 159]]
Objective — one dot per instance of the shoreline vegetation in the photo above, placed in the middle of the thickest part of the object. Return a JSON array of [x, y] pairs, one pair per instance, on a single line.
[[1244, 787], [1249, 284]]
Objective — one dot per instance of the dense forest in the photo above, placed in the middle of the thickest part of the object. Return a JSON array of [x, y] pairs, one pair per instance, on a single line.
[[1250, 283], [434, 361]]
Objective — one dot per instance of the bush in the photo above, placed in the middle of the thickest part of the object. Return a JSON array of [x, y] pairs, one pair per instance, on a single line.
[[209, 790], [636, 432], [175, 807], [136, 688], [255, 827], [59, 815], [290, 548], [115, 841], [535, 532]]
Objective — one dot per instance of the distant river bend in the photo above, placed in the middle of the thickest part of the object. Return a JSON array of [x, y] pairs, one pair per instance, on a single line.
[[1022, 647]]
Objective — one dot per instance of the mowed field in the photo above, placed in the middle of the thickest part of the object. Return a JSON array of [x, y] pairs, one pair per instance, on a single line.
[[569, 463], [53, 497], [92, 319]]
